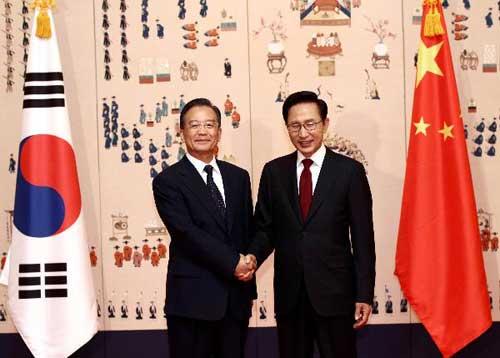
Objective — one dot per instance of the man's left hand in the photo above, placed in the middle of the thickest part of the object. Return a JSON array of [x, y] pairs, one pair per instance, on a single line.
[[361, 315]]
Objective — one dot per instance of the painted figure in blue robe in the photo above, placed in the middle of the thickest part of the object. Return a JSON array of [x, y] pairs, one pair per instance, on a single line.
[[124, 132], [137, 158], [181, 153], [152, 160], [375, 305], [182, 9], [105, 108], [467, 4], [152, 147], [158, 113], [182, 103], [479, 139], [114, 125], [168, 138], [153, 173], [144, 15], [403, 305], [12, 164], [124, 310], [142, 115], [164, 153], [144, 3], [164, 165], [489, 19], [135, 133], [152, 311], [125, 145], [137, 146], [493, 126], [114, 141], [107, 142], [491, 151], [111, 310], [204, 8], [114, 106], [164, 107], [125, 158], [445, 4], [388, 306], [478, 152], [145, 31], [160, 30], [492, 139], [480, 127]]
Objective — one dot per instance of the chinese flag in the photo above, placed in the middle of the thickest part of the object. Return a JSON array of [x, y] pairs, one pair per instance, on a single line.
[[438, 259]]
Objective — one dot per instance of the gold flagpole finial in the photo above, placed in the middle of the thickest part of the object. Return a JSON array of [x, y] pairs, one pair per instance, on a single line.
[[43, 29], [432, 22]]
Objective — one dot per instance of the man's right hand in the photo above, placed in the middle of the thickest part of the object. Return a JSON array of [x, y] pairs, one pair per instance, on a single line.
[[246, 267]]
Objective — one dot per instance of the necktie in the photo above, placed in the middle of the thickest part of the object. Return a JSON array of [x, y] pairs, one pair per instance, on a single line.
[[305, 187], [214, 191]]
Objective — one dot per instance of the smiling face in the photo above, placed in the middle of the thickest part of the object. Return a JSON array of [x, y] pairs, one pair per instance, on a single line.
[[201, 132], [306, 141]]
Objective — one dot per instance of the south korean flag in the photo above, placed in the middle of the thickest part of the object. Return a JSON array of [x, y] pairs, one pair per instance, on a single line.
[[50, 289]]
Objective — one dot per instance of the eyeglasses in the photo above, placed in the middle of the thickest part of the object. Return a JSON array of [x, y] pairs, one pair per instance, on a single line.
[[194, 126], [309, 126]]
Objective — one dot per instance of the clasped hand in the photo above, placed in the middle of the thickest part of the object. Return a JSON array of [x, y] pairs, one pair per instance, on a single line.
[[246, 267]]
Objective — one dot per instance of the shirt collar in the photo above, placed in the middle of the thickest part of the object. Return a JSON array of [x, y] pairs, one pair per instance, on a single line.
[[200, 165], [318, 157]]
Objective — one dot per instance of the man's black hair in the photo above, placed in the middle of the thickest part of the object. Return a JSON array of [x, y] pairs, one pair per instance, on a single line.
[[304, 97], [199, 102]]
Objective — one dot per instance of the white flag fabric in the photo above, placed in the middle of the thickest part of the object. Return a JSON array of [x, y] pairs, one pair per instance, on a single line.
[[50, 289]]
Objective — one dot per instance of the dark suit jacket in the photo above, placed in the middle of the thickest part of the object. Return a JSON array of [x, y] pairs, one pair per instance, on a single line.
[[204, 248], [337, 271]]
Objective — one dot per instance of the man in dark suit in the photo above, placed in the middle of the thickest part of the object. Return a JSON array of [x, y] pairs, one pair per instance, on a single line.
[[314, 209], [206, 205]]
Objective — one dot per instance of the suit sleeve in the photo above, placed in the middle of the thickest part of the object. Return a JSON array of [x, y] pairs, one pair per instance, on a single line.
[[362, 236], [200, 245], [262, 244]]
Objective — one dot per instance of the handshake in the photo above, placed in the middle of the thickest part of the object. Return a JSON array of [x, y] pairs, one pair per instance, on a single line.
[[246, 267]]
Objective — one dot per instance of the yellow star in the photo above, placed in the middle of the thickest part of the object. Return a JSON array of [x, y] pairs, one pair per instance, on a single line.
[[427, 61], [421, 126], [446, 131]]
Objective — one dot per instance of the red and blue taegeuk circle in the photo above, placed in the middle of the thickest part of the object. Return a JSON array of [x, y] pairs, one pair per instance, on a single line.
[[48, 199]]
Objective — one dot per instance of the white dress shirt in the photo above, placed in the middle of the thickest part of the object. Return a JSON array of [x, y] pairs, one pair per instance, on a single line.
[[200, 166], [318, 157]]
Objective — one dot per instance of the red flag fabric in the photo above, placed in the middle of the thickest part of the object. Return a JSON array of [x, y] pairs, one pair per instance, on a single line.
[[439, 261]]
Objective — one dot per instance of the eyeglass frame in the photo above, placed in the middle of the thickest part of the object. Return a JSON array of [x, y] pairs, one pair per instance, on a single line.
[[312, 126], [196, 126]]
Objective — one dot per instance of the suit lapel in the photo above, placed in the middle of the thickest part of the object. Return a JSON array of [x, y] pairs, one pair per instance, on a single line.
[[325, 182], [195, 183], [292, 188], [229, 193]]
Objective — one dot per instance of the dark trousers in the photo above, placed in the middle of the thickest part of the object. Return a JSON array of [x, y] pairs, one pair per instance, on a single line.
[[297, 331], [193, 338]]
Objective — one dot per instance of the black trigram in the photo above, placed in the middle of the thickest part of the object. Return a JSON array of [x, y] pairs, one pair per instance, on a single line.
[[30, 285], [43, 90]]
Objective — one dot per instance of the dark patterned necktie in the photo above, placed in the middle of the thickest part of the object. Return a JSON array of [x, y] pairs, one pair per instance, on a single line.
[[305, 187], [214, 191]]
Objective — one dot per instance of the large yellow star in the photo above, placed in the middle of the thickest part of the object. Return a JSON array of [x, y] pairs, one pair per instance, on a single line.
[[427, 61], [446, 131], [421, 126]]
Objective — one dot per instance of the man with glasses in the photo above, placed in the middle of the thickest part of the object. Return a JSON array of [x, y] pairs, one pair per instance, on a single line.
[[314, 209], [206, 205]]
